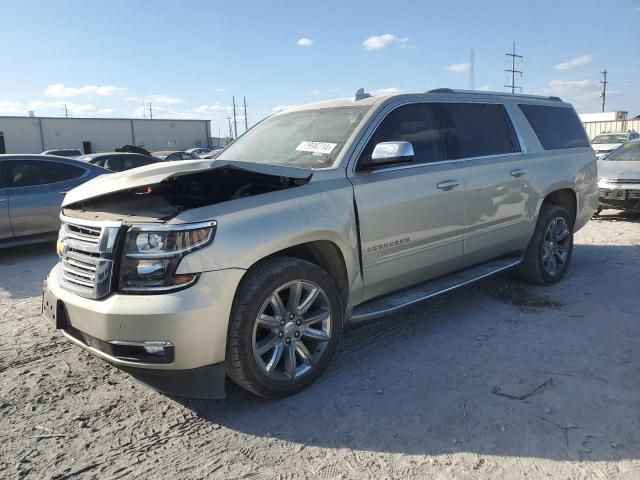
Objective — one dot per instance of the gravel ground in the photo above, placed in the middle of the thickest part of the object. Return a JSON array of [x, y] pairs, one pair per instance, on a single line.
[[497, 380]]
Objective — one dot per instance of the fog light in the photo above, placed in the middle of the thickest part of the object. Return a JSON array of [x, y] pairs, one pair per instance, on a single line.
[[154, 349]]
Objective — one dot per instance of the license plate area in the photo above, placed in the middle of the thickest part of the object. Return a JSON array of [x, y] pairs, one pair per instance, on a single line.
[[54, 310]]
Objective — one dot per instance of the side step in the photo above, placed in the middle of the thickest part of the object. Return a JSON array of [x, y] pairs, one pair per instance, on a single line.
[[395, 301]]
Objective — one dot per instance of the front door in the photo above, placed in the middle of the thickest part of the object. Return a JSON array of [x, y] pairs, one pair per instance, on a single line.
[[411, 216]]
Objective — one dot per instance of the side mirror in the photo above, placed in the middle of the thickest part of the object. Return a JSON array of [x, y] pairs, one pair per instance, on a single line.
[[386, 153]]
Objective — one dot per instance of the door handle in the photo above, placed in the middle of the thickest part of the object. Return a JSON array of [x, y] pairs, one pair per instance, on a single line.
[[518, 172], [448, 184]]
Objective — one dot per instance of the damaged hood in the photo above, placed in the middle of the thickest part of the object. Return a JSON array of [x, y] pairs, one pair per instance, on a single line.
[[158, 172]]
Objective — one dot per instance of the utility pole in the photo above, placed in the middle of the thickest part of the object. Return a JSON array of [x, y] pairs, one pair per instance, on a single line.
[[513, 70], [230, 132], [246, 124], [472, 80], [150, 111], [604, 87], [66, 112], [235, 122]]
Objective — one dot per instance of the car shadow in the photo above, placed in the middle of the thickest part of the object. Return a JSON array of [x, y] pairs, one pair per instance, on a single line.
[[22, 269], [612, 215], [499, 367]]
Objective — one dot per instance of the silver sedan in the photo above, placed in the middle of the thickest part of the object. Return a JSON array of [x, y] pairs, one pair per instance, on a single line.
[[31, 190]]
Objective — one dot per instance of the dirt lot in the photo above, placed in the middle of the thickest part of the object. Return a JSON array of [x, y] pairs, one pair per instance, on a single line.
[[427, 393]]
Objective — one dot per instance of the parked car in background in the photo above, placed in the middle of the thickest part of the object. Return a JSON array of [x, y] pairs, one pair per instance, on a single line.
[[31, 190], [118, 162], [619, 178], [199, 152], [605, 143], [249, 265], [213, 153], [64, 152], [173, 155]]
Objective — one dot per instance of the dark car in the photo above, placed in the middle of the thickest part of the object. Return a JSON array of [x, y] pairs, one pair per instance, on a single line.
[[118, 162], [31, 190], [173, 155]]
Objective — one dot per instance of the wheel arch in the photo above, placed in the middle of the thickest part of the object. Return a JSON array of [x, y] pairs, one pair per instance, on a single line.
[[565, 198]]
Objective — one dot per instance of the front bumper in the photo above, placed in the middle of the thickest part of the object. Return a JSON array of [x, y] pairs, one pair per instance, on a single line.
[[193, 322], [620, 196]]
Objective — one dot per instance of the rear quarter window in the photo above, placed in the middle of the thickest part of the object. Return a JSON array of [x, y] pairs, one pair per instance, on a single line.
[[557, 128]]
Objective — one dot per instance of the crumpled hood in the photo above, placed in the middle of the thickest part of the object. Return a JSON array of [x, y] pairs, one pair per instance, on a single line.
[[605, 147], [614, 170], [157, 172]]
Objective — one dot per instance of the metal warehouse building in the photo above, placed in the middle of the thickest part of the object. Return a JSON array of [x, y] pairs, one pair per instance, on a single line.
[[37, 134]]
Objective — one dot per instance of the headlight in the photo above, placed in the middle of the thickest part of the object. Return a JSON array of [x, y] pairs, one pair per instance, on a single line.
[[152, 254]]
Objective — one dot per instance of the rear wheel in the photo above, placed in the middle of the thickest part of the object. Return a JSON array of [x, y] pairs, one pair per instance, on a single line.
[[549, 253], [285, 327]]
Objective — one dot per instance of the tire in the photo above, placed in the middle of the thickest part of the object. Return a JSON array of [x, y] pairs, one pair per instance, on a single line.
[[263, 332], [544, 250]]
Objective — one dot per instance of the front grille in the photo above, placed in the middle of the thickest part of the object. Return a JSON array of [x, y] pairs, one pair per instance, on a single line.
[[634, 194], [86, 262], [613, 194]]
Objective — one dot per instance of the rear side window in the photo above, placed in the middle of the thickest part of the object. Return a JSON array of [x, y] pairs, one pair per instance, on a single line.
[[29, 173], [478, 130], [557, 128], [73, 171], [415, 123]]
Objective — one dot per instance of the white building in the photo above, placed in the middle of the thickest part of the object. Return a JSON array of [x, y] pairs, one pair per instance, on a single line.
[[37, 134]]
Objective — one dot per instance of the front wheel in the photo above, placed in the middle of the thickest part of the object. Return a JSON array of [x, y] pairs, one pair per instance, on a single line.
[[285, 327], [549, 253]]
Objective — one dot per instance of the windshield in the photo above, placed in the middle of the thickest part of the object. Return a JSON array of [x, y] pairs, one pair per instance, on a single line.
[[629, 152], [65, 153], [307, 139], [611, 138]]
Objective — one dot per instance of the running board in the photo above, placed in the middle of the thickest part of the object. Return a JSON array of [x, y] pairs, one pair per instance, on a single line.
[[395, 301]]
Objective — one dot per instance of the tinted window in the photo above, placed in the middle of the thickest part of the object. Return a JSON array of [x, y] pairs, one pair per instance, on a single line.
[[473, 130], [418, 124], [27, 173], [65, 153], [556, 127], [113, 163], [73, 171]]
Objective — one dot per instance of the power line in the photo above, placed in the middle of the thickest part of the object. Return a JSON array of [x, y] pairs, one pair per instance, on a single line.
[[235, 123], [513, 70], [246, 124], [604, 87]]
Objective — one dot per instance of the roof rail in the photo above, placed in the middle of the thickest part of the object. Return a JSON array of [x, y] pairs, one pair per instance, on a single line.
[[360, 94], [441, 90]]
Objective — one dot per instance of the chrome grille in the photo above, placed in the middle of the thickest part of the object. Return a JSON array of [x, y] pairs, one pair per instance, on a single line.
[[633, 181], [86, 261]]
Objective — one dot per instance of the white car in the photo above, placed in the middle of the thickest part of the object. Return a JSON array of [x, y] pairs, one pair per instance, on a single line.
[[605, 143]]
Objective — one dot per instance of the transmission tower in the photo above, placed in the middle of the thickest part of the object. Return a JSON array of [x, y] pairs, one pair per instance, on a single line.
[[604, 87], [513, 70]]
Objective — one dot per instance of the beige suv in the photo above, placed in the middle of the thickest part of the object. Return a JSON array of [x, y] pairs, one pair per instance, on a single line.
[[249, 266]]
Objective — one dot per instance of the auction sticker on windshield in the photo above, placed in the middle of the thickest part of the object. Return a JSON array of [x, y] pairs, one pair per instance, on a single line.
[[316, 147]]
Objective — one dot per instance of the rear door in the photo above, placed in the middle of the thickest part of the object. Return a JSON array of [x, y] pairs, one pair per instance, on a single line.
[[5, 223], [410, 215], [482, 136], [35, 191]]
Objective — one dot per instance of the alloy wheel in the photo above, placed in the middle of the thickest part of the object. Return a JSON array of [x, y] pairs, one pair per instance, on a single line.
[[556, 246]]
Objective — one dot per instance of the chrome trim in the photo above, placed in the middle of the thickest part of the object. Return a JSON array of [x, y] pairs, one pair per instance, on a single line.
[[168, 288], [173, 228], [395, 308], [150, 343]]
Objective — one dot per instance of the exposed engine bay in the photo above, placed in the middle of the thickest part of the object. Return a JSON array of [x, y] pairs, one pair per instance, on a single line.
[[164, 200]]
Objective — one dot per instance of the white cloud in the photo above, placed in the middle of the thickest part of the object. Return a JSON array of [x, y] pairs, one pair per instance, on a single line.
[[57, 109], [164, 99], [60, 90], [387, 91], [12, 108], [315, 92], [305, 42], [377, 42], [458, 67], [574, 62], [483, 88], [221, 90], [572, 87], [279, 108], [132, 99], [214, 108]]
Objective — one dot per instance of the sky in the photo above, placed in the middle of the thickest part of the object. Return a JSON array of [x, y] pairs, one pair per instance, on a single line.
[[189, 58]]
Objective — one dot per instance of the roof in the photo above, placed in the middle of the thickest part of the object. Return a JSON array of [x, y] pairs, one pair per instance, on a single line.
[[439, 93]]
